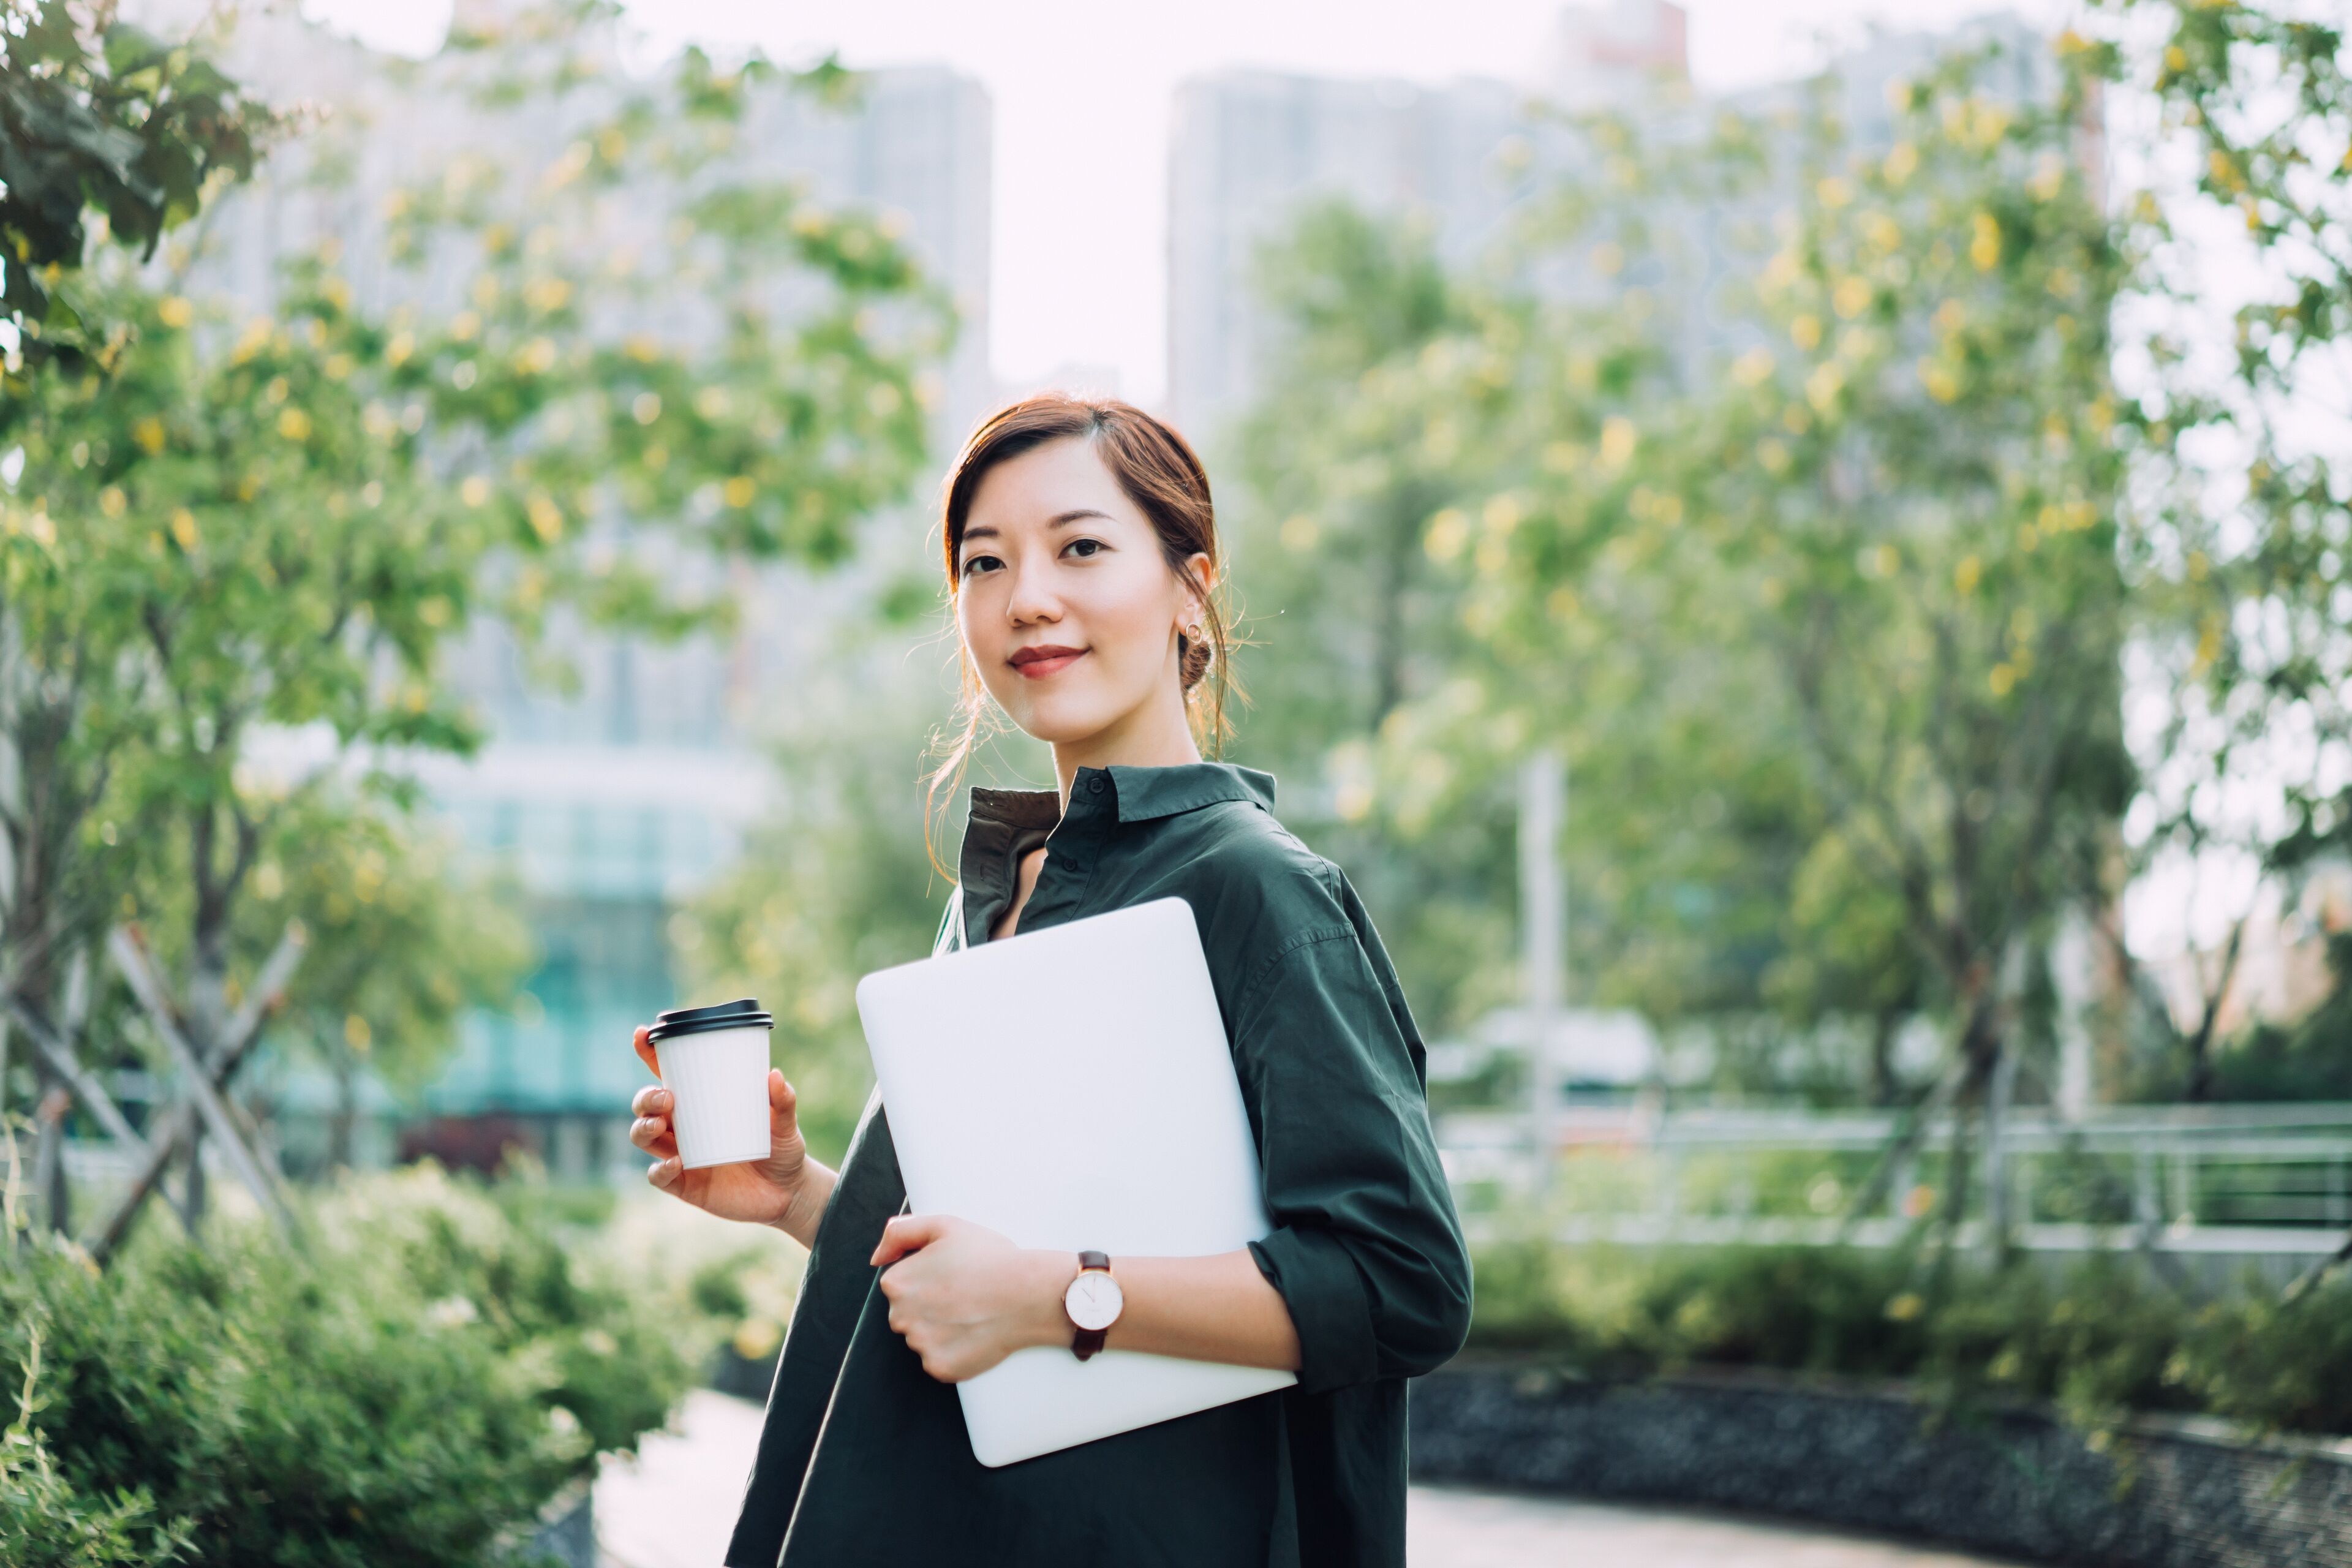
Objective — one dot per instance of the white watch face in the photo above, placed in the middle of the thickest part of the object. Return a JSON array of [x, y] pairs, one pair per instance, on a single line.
[[1092, 1300]]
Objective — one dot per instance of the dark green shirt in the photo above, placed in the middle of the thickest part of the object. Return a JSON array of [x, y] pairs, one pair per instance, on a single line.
[[863, 1458]]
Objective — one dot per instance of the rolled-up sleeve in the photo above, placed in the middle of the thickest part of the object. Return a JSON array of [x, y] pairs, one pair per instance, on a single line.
[[1365, 1249]]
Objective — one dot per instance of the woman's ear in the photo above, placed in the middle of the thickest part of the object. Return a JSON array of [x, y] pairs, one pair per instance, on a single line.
[[1195, 609]]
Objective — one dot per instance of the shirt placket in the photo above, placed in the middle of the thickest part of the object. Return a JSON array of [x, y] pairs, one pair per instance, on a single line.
[[1074, 850]]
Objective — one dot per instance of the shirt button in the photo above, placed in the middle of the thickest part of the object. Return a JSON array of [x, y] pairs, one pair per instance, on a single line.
[[1095, 784]]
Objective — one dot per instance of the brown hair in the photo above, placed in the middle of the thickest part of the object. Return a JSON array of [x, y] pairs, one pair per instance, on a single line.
[[1161, 474]]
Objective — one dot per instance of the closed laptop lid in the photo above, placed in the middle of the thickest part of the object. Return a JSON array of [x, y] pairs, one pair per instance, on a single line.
[[1073, 1087]]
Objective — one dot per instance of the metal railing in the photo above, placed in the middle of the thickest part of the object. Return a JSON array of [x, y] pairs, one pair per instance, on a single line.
[[2271, 1179]]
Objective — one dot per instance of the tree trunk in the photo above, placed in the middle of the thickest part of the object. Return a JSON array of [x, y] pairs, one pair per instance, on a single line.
[[49, 1157], [2200, 1067], [1883, 1090], [1998, 1217], [340, 1131], [193, 1195]]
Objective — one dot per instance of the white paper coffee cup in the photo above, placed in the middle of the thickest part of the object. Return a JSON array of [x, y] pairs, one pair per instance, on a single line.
[[714, 1061]]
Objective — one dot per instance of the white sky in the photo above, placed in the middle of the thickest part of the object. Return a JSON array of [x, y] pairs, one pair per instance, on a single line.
[[1082, 93]]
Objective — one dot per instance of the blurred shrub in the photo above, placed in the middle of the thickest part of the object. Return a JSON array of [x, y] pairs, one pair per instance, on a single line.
[[47, 1523], [410, 1388], [2096, 1340]]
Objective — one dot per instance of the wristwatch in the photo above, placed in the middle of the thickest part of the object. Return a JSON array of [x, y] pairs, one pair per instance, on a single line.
[[1093, 1302]]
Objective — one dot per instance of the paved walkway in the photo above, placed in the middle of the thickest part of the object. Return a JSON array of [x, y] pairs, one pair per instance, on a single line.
[[673, 1505]]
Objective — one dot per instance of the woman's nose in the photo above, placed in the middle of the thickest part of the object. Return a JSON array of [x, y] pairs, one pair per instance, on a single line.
[[1033, 599]]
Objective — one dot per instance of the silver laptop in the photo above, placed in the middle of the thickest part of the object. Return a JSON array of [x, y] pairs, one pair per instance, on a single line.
[[1072, 1088]]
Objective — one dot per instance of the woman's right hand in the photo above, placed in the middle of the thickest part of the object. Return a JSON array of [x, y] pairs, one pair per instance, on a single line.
[[787, 1190]]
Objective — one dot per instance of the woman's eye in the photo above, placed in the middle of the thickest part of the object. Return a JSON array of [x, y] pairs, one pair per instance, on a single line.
[[1094, 546], [972, 562]]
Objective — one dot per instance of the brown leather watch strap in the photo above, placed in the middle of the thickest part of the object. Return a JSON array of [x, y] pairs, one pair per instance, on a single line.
[[1085, 1342]]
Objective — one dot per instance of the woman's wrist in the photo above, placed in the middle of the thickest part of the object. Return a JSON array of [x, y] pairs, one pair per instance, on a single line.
[[804, 1210], [1049, 1274]]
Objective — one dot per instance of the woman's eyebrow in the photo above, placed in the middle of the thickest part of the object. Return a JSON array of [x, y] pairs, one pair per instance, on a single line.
[[1056, 521]]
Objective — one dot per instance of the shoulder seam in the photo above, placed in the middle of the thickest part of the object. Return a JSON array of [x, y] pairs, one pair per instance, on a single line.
[[1307, 938]]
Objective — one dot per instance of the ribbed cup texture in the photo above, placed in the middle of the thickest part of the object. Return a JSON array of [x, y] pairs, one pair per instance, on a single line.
[[719, 1081]]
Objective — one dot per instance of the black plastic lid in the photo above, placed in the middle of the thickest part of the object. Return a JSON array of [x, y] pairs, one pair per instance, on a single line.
[[742, 1014]]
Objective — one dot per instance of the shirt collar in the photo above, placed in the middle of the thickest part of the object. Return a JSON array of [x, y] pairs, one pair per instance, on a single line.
[[1147, 793], [1142, 794]]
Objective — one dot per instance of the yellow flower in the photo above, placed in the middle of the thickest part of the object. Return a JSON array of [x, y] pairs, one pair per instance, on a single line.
[[1833, 192], [2002, 680], [738, 491], [1901, 163], [546, 517], [1984, 241], [1906, 1307], [1966, 575], [253, 340], [149, 434], [402, 345], [1821, 387], [1448, 531], [1806, 332], [113, 501], [1851, 297], [1753, 367], [1938, 378], [475, 492], [1617, 441], [1299, 533], [175, 312], [294, 425]]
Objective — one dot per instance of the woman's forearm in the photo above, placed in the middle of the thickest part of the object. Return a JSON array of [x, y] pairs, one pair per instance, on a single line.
[[1218, 1308]]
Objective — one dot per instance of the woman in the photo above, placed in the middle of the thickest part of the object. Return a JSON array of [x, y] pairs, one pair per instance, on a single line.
[[1082, 557]]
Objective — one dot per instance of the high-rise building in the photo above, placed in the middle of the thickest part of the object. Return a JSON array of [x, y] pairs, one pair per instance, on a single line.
[[1250, 149], [617, 802]]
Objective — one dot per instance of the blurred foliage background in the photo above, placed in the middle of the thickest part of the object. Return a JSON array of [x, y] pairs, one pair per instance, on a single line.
[[1951, 544]]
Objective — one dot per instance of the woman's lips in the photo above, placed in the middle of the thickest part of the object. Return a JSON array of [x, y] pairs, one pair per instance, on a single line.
[[1038, 668]]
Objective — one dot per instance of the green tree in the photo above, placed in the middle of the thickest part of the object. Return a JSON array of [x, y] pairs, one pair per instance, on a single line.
[[1842, 613], [1348, 618], [100, 119], [404, 937], [293, 516], [2239, 499]]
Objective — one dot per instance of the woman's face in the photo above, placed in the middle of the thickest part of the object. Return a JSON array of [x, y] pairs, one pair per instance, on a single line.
[[1066, 602]]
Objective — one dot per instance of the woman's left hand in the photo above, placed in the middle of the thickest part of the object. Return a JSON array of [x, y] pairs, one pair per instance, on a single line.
[[964, 1297]]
